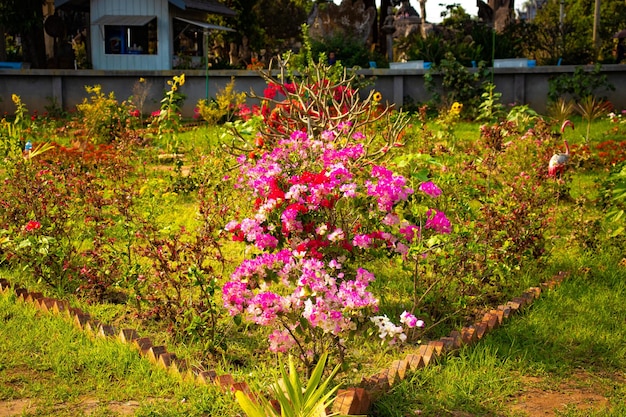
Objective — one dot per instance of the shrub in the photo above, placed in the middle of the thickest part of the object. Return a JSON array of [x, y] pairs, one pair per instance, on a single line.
[[103, 117], [224, 107], [450, 81], [581, 84]]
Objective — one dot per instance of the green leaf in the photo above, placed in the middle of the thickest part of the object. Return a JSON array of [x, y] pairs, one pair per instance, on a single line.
[[618, 231], [252, 409]]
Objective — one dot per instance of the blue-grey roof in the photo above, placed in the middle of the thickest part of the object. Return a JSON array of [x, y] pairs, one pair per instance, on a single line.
[[209, 6]]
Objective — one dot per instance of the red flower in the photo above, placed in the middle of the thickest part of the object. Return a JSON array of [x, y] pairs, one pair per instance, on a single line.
[[32, 225], [135, 113], [271, 91], [275, 192]]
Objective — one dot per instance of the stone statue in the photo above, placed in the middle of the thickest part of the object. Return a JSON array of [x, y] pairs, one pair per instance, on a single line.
[[348, 18], [485, 12], [497, 13]]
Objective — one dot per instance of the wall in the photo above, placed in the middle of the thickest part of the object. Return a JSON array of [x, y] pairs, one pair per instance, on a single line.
[[40, 88], [158, 8]]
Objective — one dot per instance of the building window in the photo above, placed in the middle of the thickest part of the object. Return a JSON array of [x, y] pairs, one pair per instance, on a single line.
[[131, 39]]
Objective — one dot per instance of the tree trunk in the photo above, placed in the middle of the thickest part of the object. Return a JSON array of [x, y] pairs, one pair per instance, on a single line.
[[34, 47], [3, 45], [385, 6]]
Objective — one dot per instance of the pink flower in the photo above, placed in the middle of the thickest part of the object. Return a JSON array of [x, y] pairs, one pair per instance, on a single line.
[[32, 225], [430, 189], [390, 188], [281, 341], [410, 320], [438, 222], [362, 241], [409, 232]]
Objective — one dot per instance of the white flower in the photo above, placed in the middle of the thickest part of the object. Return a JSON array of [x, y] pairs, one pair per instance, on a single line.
[[336, 235], [321, 229]]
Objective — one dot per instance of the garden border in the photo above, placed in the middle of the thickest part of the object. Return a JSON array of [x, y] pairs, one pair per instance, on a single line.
[[354, 401]]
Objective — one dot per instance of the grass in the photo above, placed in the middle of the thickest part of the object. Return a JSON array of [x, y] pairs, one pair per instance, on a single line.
[[579, 327], [59, 369]]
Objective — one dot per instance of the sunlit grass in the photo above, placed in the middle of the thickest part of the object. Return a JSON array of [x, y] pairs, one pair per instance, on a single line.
[[578, 326], [66, 367], [581, 324]]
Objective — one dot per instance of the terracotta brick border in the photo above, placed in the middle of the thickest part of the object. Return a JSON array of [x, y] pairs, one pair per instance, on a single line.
[[358, 400], [349, 401], [158, 355]]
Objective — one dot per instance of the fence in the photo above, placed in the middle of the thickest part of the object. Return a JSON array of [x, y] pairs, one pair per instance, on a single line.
[[41, 89]]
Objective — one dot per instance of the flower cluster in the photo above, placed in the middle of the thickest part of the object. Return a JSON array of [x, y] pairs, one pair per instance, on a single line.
[[318, 209], [32, 225], [395, 334]]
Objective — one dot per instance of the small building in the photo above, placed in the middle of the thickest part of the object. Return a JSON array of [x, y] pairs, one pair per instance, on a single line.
[[143, 34]]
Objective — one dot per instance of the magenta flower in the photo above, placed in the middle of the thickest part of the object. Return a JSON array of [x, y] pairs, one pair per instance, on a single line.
[[409, 232], [429, 188], [312, 209], [438, 222], [410, 320]]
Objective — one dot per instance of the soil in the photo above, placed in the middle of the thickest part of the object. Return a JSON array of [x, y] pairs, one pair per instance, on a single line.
[[13, 408], [576, 393], [536, 400]]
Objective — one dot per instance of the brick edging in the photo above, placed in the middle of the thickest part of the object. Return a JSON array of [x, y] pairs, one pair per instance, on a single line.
[[358, 400], [158, 355], [348, 401]]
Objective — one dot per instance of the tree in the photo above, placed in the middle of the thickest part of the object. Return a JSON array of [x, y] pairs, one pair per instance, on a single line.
[[573, 40], [25, 17]]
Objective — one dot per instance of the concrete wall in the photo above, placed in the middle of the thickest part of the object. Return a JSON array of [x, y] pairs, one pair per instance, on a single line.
[[40, 88]]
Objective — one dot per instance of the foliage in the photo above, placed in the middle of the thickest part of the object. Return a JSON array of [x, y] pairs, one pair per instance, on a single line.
[[590, 109], [24, 19], [561, 109], [349, 52], [614, 198], [490, 108], [523, 117], [104, 118], [450, 81], [294, 399], [446, 122], [185, 270], [315, 98], [54, 201], [12, 132], [469, 40], [572, 41], [579, 85], [167, 119], [224, 107]]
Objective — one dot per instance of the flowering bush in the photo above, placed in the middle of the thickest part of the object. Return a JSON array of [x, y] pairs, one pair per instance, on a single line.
[[316, 100], [320, 209], [105, 119]]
